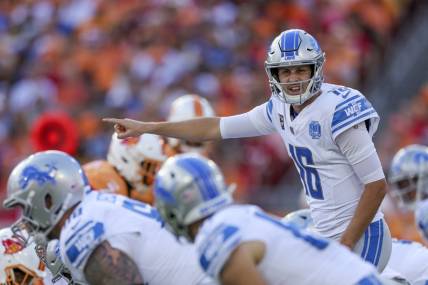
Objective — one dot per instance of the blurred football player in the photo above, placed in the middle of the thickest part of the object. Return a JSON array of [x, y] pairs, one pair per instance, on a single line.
[[103, 238], [19, 264], [185, 108], [408, 261], [241, 244], [327, 130], [130, 167], [408, 176]]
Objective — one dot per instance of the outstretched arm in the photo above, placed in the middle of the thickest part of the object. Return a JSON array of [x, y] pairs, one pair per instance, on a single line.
[[108, 265], [251, 124], [195, 130]]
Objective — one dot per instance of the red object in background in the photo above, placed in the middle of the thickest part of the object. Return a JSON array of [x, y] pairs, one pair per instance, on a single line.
[[55, 131]]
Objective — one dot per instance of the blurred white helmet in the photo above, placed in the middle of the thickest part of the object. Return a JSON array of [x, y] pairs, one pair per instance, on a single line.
[[18, 264], [185, 108], [137, 159], [300, 218]]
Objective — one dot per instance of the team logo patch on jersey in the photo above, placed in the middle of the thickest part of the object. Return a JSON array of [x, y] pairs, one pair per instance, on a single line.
[[281, 121], [315, 130]]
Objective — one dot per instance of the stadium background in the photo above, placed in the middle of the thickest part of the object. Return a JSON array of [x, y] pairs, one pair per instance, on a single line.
[[82, 60]]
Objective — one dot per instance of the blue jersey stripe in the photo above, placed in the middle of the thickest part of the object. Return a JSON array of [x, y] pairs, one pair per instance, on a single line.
[[373, 242], [202, 175], [347, 101], [379, 253], [269, 108], [367, 115]]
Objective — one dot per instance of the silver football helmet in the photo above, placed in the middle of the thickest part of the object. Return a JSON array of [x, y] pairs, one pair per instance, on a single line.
[[295, 48], [408, 175], [188, 188], [300, 218], [45, 185]]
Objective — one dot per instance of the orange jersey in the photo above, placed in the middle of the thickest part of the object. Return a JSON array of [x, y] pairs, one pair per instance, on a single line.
[[103, 176]]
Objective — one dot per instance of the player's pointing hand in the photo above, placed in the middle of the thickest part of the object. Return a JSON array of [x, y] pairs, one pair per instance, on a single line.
[[126, 127]]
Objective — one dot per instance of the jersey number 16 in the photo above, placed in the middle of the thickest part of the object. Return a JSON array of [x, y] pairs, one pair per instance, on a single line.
[[302, 157]]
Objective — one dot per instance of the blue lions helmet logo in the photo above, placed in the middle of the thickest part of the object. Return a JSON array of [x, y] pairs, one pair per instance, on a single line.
[[32, 173]]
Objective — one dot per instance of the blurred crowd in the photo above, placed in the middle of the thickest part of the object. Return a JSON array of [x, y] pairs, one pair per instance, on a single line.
[[89, 59]]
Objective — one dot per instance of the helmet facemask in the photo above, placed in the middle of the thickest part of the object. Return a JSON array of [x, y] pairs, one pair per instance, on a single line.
[[18, 274]]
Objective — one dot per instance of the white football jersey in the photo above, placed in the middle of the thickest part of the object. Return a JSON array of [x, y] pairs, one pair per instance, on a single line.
[[101, 216], [410, 259], [292, 256], [332, 187]]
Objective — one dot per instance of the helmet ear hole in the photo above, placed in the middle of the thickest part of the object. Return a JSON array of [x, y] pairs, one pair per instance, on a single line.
[[48, 201], [274, 72]]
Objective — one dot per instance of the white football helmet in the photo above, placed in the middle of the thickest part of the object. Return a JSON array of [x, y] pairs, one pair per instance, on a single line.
[[45, 185], [18, 264], [408, 175], [185, 108], [295, 48], [188, 188], [137, 159]]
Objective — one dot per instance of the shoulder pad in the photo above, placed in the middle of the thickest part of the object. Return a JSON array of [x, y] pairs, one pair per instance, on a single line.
[[351, 110]]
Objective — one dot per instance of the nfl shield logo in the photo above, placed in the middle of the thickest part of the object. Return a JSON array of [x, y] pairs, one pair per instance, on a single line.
[[315, 130]]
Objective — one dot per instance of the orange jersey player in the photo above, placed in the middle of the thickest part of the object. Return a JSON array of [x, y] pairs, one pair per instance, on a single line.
[[130, 167]]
